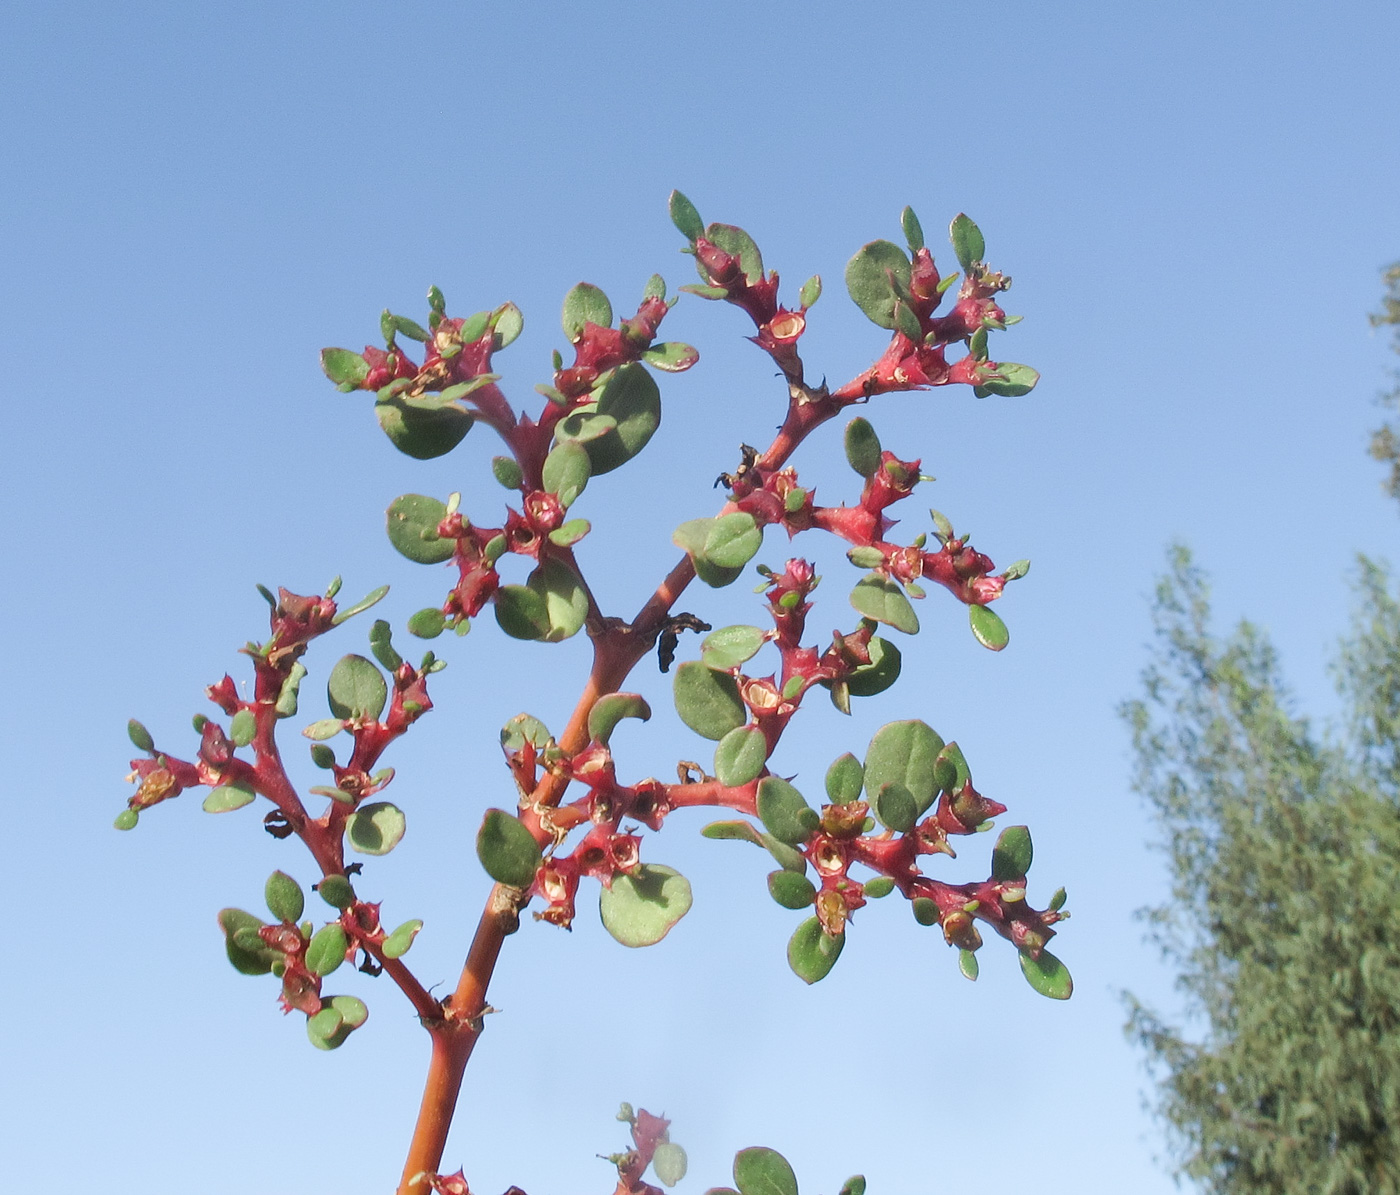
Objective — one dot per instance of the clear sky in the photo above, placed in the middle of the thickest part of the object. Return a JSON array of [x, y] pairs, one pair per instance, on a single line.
[[1194, 199]]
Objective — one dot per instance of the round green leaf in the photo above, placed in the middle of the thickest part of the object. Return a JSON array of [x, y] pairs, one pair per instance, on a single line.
[[412, 522], [247, 960], [895, 807], [428, 623], [356, 689], [376, 828], [126, 820], [565, 599], [507, 323], [876, 676], [630, 397], [967, 240], [521, 612], [640, 909], [987, 625], [1012, 380], [582, 427], [585, 304], [903, 754], [729, 647], [791, 890], [336, 891], [505, 470], [424, 427], [1012, 855], [343, 367], [524, 728], [566, 471], [737, 243], [1047, 975], [327, 948], [242, 728], [285, 899], [844, 780], [566, 535], [397, 943], [609, 710], [869, 280], [732, 540], [968, 964], [707, 701], [740, 756], [812, 953], [671, 356], [685, 217], [227, 797], [784, 812], [925, 910], [690, 537], [878, 887], [507, 850], [668, 1163], [862, 447], [879, 597], [914, 234], [140, 736]]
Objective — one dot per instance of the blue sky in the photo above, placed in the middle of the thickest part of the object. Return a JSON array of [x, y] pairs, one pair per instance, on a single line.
[[1195, 201]]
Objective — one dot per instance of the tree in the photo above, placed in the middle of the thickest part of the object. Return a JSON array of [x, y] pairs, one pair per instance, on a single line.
[[1284, 849], [1385, 440]]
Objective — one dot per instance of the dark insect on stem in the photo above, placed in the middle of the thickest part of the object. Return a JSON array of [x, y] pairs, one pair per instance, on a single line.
[[671, 635]]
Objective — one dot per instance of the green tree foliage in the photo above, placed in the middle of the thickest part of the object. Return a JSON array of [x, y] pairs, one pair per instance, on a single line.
[[1283, 923], [1385, 440]]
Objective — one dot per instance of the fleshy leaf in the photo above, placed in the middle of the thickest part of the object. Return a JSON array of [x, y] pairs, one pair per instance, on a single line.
[[1047, 975], [285, 899], [729, 647], [507, 322], [669, 1163], [565, 599], [227, 797], [521, 612], [343, 367], [422, 427], [640, 909], [255, 961], [685, 217], [895, 807], [427, 623], [862, 447], [630, 397], [879, 597], [811, 291], [791, 890], [968, 964], [381, 643], [904, 754], [356, 689], [507, 850], [376, 828], [524, 728], [913, 230], [812, 952], [242, 728], [737, 243], [326, 950], [568, 534], [585, 304], [878, 675], [872, 278], [1012, 380], [396, 945], [608, 711], [967, 241], [784, 812], [671, 356], [336, 891], [787, 857], [733, 539], [566, 471], [707, 701], [740, 756], [412, 524], [140, 737], [844, 780], [690, 537], [506, 470], [988, 627], [1012, 855]]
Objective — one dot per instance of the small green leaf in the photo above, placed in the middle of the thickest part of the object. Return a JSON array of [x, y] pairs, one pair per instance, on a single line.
[[326, 728], [397, 943], [243, 727], [707, 292], [505, 470], [812, 952], [524, 728], [668, 1163], [865, 556], [844, 779], [1057, 901], [788, 858], [925, 910], [126, 820], [521, 612], [1047, 975], [609, 710], [895, 807], [791, 890], [740, 756], [1012, 380], [423, 426], [344, 368], [671, 356], [690, 537], [140, 737], [875, 277], [376, 828], [640, 909], [227, 797], [863, 451], [412, 524], [381, 644], [327, 949], [988, 627], [286, 703], [507, 323], [737, 243], [585, 304], [566, 535], [811, 291], [729, 647], [1012, 855], [566, 471], [685, 217], [507, 850], [255, 958], [632, 399], [968, 965], [707, 701], [336, 891], [565, 599], [784, 812], [950, 769], [655, 288], [322, 756], [356, 689], [878, 675], [733, 540], [967, 241], [881, 598], [913, 230], [371, 598], [285, 899], [1017, 570], [907, 322], [903, 754], [428, 623], [329, 1028], [878, 887]]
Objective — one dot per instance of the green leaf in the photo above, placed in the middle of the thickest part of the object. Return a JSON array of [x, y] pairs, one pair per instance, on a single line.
[[729, 647], [784, 812], [791, 890], [396, 944], [690, 537], [344, 368], [1047, 975], [655, 288], [524, 728], [1012, 380], [521, 612], [322, 756], [707, 701], [609, 710], [1057, 901], [907, 322], [227, 797], [732, 540], [632, 399], [950, 769], [285, 899], [329, 1028], [878, 675], [968, 964], [507, 850], [872, 278], [913, 230], [844, 780], [671, 356], [862, 447], [243, 728], [507, 323], [988, 627], [423, 427], [640, 909], [685, 217], [568, 534], [925, 910], [1012, 855], [812, 952], [740, 756], [371, 598], [967, 241], [566, 471], [879, 887], [247, 961], [585, 304], [707, 292], [412, 522], [894, 805], [669, 1163], [565, 599], [126, 820], [737, 243], [880, 598], [811, 291], [327, 949], [903, 754], [427, 623], [326, 728], [376, 828], [356, 689], [336, 891], [381, 644], [506, 470], [140, 737], [286, 703]]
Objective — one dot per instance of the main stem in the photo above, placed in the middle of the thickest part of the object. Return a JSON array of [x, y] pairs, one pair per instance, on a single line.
[[616, 651]]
